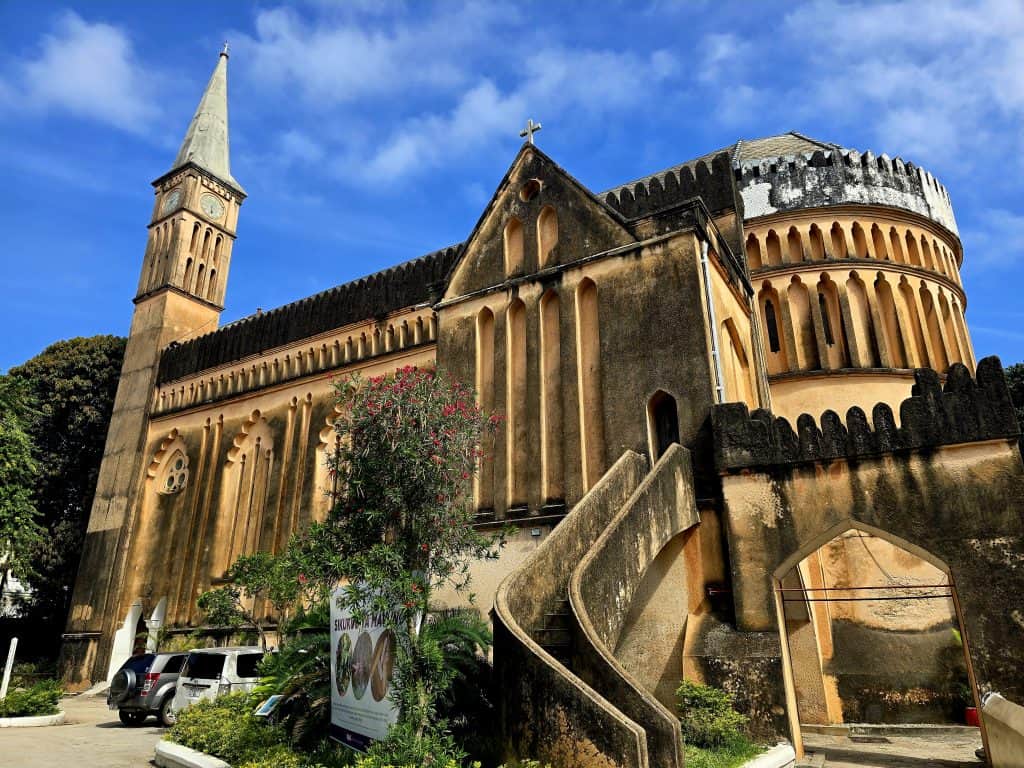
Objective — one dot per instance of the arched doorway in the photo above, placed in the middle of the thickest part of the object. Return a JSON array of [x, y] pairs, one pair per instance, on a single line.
[[663, 423], [871, 633]]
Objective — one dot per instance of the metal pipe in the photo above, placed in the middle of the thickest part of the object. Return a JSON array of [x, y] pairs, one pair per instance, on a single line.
[[709, 298]]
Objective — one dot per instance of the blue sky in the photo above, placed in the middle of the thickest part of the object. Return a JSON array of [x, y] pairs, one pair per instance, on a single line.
[[368, 133]]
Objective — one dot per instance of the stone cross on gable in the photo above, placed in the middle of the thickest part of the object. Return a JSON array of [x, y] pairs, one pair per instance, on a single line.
[[530, 129]]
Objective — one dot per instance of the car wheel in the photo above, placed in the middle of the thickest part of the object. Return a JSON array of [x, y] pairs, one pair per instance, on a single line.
[[131, 719], [167, 716]]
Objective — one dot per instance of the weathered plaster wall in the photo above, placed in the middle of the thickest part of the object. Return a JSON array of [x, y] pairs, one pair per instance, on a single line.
[[947, 485]]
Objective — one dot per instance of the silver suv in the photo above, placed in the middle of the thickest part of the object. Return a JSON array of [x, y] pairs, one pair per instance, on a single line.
[[144, 686]]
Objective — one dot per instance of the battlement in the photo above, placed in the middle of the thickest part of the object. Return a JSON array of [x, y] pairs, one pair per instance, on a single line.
[[712, 181], [965, 410], [414, 282], [841, 176]]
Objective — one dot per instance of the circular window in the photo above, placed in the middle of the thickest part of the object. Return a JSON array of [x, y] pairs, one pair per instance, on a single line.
[[529, 190], [175, 474]]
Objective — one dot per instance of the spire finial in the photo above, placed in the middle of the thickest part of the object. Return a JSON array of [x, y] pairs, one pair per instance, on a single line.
[[226, 50]]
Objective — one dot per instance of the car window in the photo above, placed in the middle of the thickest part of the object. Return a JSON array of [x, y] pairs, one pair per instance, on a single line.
[[203, 665], [139, 664], [247, 664], [174, 664]]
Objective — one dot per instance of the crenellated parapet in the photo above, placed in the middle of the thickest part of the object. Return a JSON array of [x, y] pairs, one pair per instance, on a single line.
[[964, 410], [711, 180], [415, 282], [841, 177]]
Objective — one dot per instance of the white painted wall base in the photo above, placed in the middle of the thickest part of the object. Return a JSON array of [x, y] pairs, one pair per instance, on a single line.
[[779, 756], [32, 722], [171, 755]]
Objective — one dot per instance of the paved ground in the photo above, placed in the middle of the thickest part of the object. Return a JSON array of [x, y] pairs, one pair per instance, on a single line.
[[92, 737], [940, 751]]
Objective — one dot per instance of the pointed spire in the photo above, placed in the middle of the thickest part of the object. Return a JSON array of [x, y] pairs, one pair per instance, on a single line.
[[206, 142]]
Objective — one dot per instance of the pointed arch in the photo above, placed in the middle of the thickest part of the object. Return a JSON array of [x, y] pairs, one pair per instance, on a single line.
[[484, 481], [513, 247], [926, 255], [773, 249], [516, 433], [890, 323], [753, 252], [934, 328], [860, 241], [803, 325], [913, 252], [833, 332], [662, 423], [245, 488], [817, 243], [862, 328], [878, 241], [211, 294], [771, 318], [794, 246], [547, 235], [956, 354], [551, 422], [838, 237], [897, 246], [588, 361], [910, 306]]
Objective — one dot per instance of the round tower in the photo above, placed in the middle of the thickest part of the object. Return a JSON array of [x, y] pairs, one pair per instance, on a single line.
[[855, 262]]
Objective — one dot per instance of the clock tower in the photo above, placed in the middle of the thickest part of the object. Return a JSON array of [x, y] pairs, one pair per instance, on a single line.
[[180, 295]]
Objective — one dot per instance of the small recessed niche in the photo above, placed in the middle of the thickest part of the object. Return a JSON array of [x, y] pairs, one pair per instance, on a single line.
[[530, 190]]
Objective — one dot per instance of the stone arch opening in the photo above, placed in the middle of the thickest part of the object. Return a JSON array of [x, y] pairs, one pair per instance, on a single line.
[[662, 423], [871, 632]]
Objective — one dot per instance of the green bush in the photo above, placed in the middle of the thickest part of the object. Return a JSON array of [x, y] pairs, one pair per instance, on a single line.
[[707, 716], [39, 699], [226, 728]]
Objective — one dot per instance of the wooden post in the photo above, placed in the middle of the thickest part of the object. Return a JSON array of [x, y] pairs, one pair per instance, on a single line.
[[970, 668], [9, 666], [787, 674]]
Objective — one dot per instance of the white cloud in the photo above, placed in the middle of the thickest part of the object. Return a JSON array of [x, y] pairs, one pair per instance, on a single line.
[[928, 76], [556, 81], [90, 71], [994, 238], [337, 59], [298, 147], [721, 54]]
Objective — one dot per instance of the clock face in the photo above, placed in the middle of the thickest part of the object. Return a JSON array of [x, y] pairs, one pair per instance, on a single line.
[[171, 200], [211, 205]]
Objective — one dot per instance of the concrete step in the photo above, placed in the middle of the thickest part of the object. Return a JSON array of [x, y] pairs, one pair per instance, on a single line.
[[889, 729]]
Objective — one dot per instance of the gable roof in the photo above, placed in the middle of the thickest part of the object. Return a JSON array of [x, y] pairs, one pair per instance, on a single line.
[[424, 279]]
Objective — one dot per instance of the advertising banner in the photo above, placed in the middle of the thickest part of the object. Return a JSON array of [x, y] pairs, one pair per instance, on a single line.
[[362, 661]]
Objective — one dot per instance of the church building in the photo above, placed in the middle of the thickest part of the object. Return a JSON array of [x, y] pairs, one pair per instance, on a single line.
[[739, 396]]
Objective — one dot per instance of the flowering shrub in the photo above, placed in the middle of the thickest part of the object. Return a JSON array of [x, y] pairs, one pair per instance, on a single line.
[[408, 447]]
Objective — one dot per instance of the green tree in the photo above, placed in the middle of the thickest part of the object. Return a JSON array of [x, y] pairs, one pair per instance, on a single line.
[[71, 387], [20, 532]]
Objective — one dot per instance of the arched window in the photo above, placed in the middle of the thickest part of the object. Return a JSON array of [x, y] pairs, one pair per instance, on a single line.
[[484, 481], [513, 247], [795, 245], [878, 240], [588, 361], [826, 321], [772, 326], [753, 252], [174, 476], [839, 250], [774, 249], [547, 234], [860, 241], [663, 422], [817, 244]]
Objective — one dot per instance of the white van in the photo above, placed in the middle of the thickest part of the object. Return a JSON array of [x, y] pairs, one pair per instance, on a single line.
[[212, 672]]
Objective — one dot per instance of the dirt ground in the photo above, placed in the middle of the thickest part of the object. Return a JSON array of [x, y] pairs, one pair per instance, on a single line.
[[92, 737], [933, 751]]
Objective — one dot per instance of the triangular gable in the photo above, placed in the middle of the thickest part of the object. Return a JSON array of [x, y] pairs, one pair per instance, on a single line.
[[533, 183]]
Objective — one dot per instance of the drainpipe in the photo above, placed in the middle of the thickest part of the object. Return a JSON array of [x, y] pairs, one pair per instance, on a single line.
[[709, 299]]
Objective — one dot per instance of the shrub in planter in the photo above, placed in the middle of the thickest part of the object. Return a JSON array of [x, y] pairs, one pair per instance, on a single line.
[[35, 701], [226, 728], [707, 717]]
